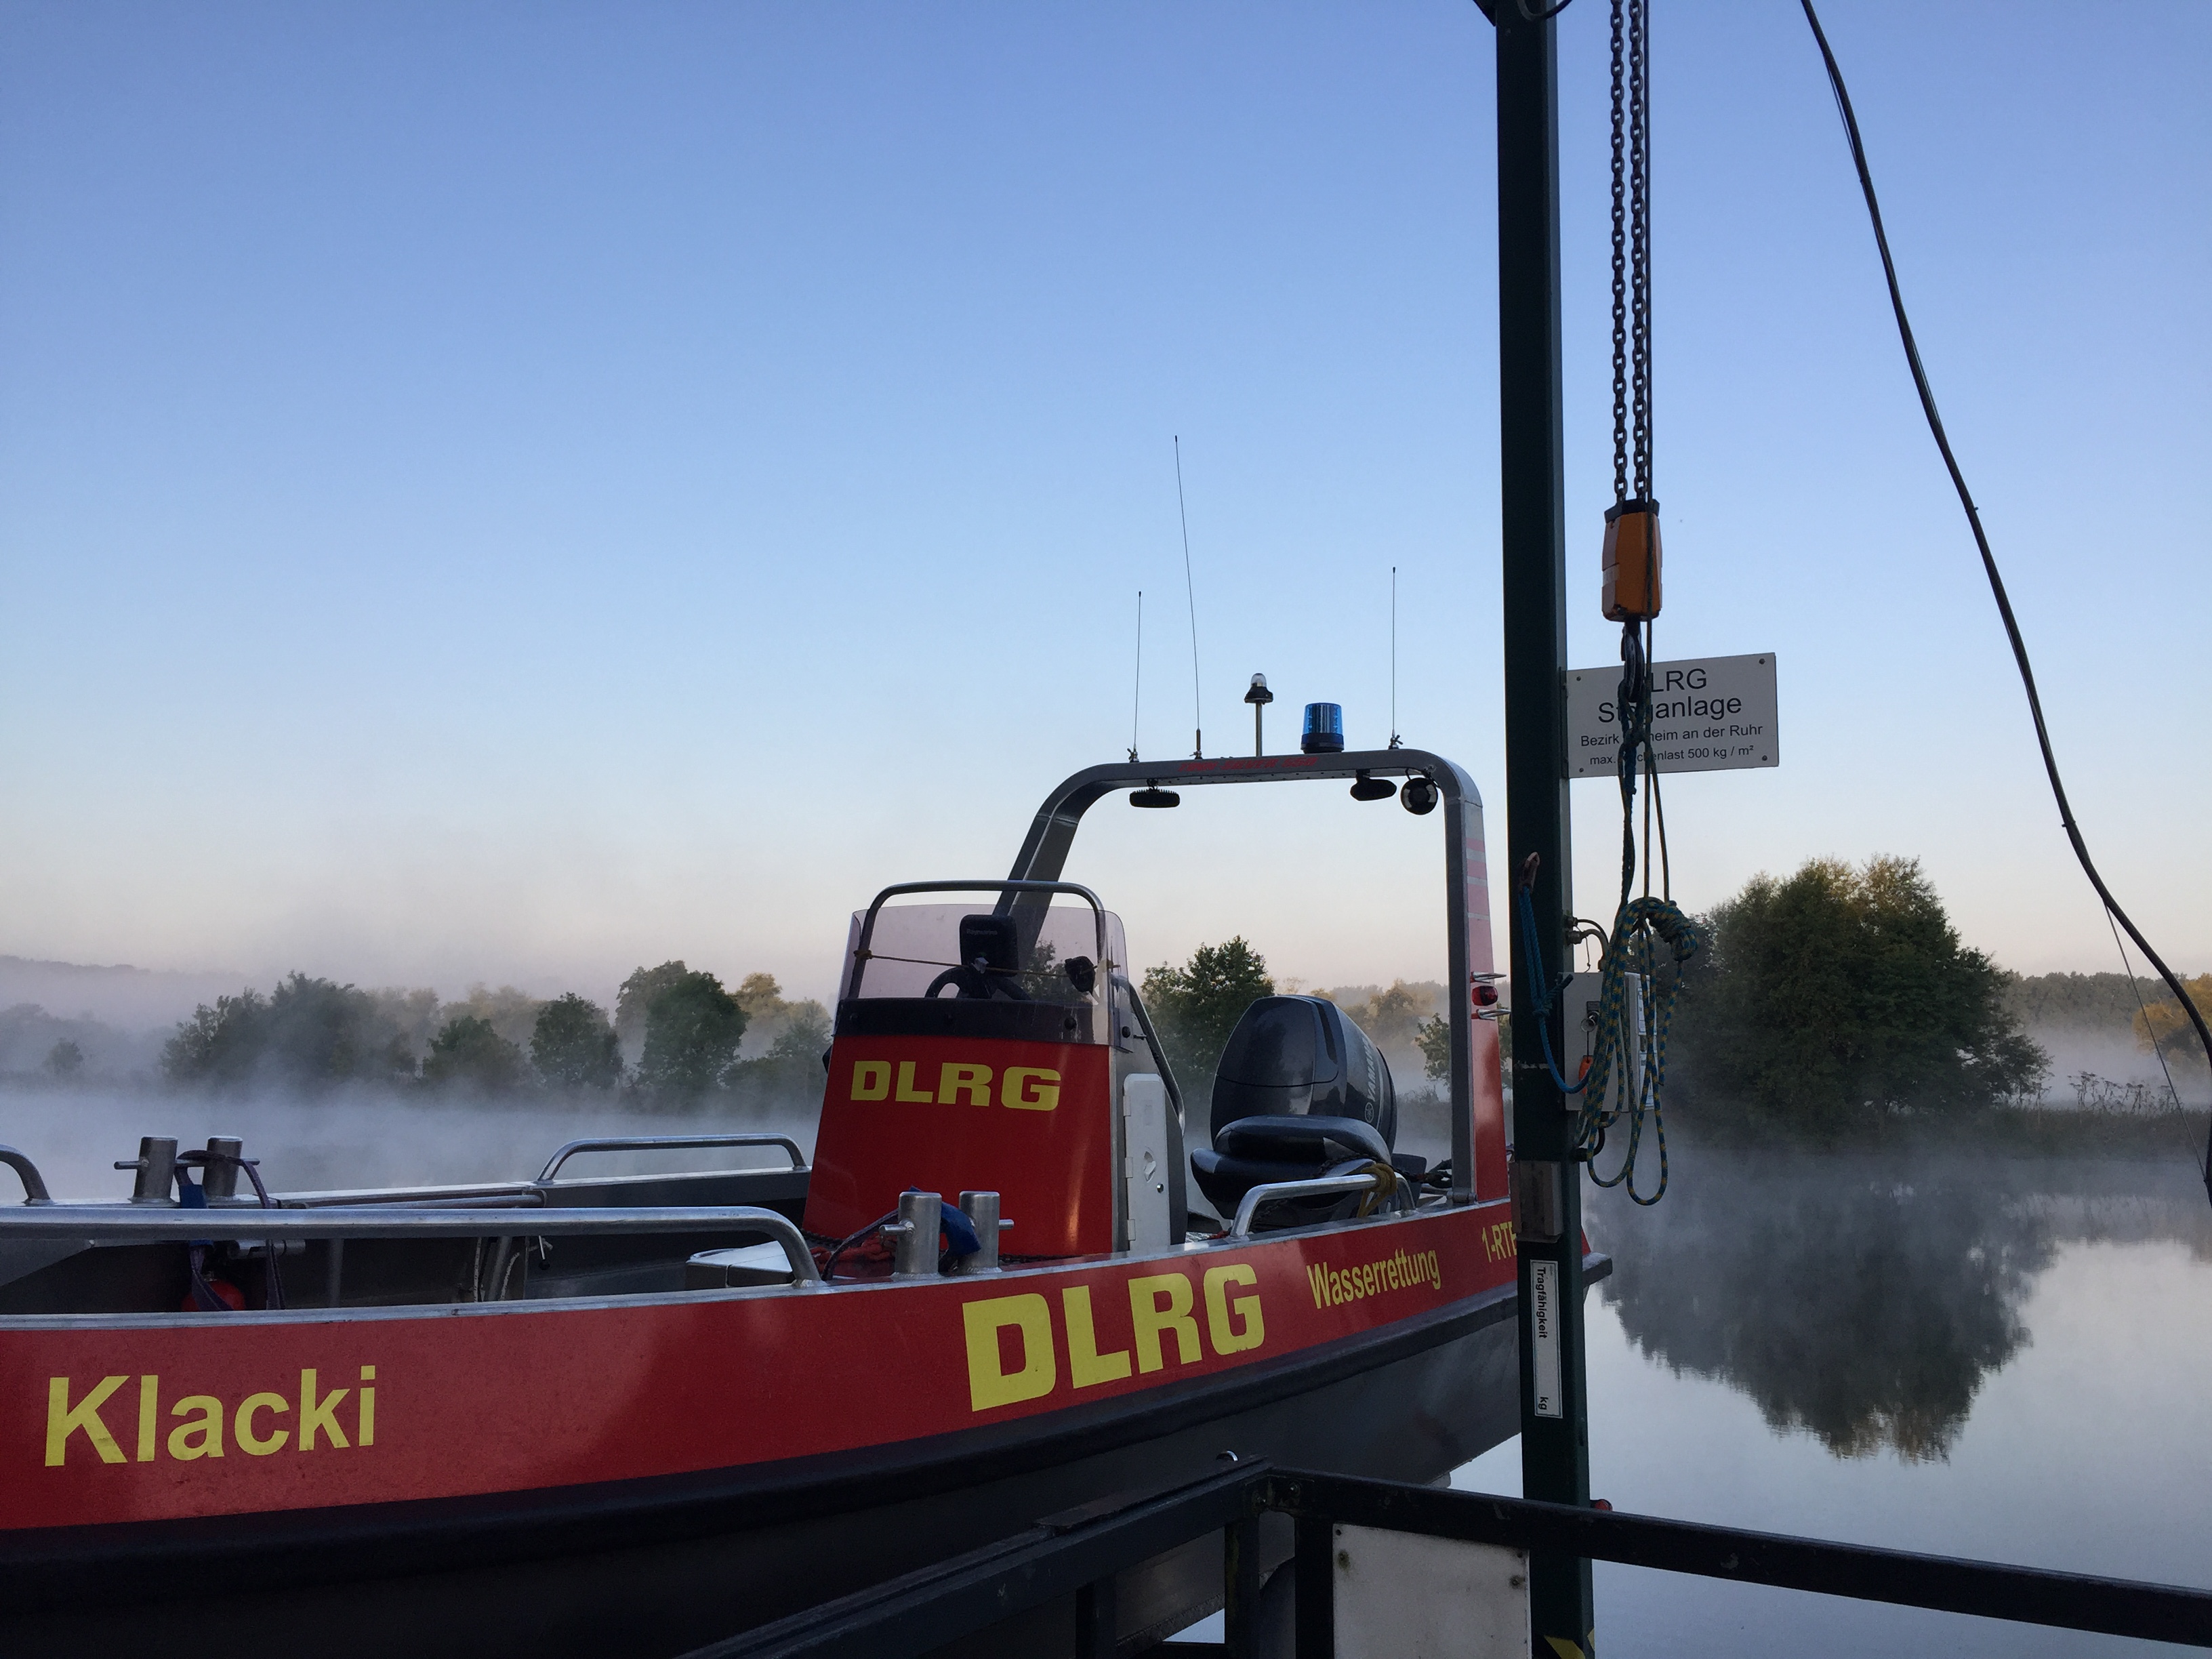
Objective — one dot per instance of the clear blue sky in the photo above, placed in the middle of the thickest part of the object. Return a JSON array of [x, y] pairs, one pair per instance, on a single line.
[[519, 490]]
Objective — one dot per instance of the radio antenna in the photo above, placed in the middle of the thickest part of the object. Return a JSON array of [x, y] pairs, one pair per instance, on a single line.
[[1190, 591], [1137, 698], [1393, 656]]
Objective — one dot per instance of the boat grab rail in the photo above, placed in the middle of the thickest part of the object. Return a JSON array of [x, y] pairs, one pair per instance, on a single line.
[[1267, 1191], [529, 1197], [486, 1195], [35, 1184], [647, 1143], [122, 1224]]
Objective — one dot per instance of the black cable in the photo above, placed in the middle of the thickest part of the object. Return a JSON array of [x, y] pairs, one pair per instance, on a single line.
[[272, 1278], [829, 1267], [1990, 565], [2150, 1030]]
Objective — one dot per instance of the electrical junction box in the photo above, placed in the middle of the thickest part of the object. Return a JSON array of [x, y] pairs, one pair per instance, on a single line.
[[1145, 1161], [1579, 1002]]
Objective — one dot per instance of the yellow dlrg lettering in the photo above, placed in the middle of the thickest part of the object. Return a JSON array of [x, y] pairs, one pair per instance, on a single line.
[[1227, 1339], [989, 1383], [1151, 1318], [319, 1417], [907, 1092], [955, 1080], [1030, 1089], [871, 1079], [63, 1419], [242, 1425], [1086, 1365]]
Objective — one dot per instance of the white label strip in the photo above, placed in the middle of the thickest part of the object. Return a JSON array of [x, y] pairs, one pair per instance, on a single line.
[[1544, 1331]]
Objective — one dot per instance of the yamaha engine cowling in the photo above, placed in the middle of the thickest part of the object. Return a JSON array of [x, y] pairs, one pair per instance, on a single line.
[[1299, 1090]]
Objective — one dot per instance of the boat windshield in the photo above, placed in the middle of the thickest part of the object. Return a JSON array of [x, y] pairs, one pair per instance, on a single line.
[[914, 945]]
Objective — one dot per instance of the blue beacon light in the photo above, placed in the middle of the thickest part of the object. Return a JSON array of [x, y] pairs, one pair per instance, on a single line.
[[1324, 731]]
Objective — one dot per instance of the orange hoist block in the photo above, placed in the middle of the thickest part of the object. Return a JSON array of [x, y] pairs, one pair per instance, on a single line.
[[1632, 561]]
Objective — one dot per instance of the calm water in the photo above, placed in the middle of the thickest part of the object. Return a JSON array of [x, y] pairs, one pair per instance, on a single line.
[[2005, 1359]]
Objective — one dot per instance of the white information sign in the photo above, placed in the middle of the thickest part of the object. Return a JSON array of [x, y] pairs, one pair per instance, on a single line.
[[1709, 714], [1544, 1334]]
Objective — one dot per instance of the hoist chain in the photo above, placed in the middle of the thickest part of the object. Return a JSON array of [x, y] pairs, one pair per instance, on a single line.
[[1639, 234], [1619, 268], [1631, 249], [1626, 1071]]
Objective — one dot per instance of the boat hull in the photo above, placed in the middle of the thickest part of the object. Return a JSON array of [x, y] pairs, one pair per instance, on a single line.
[[662, 1563]]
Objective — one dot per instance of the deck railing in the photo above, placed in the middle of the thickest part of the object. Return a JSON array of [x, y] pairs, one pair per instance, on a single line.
[[1077, 1555]]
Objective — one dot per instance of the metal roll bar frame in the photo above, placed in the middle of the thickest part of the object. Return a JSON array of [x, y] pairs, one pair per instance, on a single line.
[[1044, 851]]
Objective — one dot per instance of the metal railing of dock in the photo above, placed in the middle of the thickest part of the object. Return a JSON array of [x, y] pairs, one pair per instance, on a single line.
[[1077, 1555]]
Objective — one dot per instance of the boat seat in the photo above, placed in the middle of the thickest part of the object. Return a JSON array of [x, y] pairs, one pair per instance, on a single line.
[[1249, 1151], [1299, 1092], [1314, 1139]]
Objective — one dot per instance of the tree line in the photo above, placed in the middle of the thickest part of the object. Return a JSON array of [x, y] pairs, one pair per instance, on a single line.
[[685, 1028], [1830, 1001], [2160, 1025], [1842, 995], [1839, 996]]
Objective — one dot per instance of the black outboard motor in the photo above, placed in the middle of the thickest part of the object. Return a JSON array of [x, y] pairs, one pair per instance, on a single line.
[[1299, 1091]]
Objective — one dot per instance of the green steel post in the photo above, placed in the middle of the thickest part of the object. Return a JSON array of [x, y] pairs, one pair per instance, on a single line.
[[1554, 1438]]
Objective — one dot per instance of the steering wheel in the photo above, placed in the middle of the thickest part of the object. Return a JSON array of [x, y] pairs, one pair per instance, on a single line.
[[965, 980], [982, 984]]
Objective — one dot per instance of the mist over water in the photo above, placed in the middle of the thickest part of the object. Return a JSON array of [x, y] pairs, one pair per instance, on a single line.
[[360, 1137], [1863, 1299]]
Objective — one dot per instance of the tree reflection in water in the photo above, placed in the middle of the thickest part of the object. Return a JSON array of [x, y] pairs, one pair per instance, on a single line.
[[1859, 1298]]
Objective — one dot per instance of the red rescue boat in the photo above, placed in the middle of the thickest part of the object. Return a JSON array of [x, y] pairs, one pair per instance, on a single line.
[[641, 1414]]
